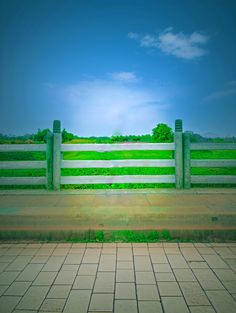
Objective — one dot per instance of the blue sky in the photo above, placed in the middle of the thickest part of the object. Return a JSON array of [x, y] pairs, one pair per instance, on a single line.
[[108, 67]]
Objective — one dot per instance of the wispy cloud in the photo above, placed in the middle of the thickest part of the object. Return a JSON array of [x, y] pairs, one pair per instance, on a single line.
[[228, 90], [180, 45], [103, 107], [129, 77]]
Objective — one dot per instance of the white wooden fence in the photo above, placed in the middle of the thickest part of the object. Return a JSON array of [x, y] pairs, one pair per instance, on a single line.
[[100, 179], [209, 163], [23, 164], [54, 162]]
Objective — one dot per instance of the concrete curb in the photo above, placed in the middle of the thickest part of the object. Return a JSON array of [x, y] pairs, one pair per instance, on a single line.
[[191, 191]]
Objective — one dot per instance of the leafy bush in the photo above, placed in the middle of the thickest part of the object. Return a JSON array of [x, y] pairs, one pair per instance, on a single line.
[[41, 135], [162, 133]]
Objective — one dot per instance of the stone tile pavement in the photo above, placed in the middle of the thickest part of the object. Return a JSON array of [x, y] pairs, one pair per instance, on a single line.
[[118, 277]]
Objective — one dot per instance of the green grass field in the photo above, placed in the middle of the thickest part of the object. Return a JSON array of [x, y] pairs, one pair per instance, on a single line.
[[115, 155]]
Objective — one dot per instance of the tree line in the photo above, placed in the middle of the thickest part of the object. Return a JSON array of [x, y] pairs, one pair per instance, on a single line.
[[161, 133]]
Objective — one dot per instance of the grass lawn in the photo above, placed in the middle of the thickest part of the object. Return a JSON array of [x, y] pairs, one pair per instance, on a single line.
[[115, 155]]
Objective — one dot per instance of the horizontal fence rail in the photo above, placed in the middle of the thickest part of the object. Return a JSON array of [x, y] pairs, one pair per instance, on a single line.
[[213, 179], [213, 163], [117, 147], [116, 163], [22, 164], [22, 181], [212, 146], [22, 147], [97, 179]]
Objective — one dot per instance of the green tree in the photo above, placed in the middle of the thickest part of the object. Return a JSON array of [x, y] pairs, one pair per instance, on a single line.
[[162, 133], [66, 136], [41, 135]]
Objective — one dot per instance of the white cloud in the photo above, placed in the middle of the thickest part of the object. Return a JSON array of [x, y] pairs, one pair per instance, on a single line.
[[149, 41], [231, 83], [180, 45], [102, 107], [132, 35], [129, 77], [228, 90]]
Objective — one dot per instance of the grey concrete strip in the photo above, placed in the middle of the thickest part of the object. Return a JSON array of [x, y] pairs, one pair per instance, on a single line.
[[122, 210], [120, 191]]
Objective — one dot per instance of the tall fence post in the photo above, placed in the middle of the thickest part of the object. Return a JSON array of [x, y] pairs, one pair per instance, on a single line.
[[187, 161], [56, 155], [179, 154], [49, 159]]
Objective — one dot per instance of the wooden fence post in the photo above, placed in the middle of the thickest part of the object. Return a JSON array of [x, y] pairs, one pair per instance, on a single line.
[[179, 154], [56, 155], [187, 161], [49, 159]]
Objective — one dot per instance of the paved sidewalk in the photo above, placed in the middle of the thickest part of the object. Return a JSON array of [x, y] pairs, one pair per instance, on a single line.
[[118, 277]]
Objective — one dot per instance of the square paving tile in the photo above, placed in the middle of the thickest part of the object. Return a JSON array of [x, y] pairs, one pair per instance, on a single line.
[[177, 261], [108, 251], [17, 288], [88, 269], [91, 256], [184, 274], [165, 277], [194, 294], [222, 301], [169, 289], [84, 282], [200, 264], [30, 272], [225, 274], [174, 305], [73, 259], [33, 298], [202, 309], [6, 278], [150, 307], [158, 255], [128, 265], [147, 292], [125, 276], [19, 263], [230, 286], [41, 259], [8, 303], [101, 302], [53, 264], [215, 261], [70, 267], [45, 278], [3, 266], [59, 291], [162, 268], [145, 278], [78, 301], [105, 282], [122, 306], [142, 263], [65, 278], [208, 279], [3, 288], [125, 291], [52, 305]]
